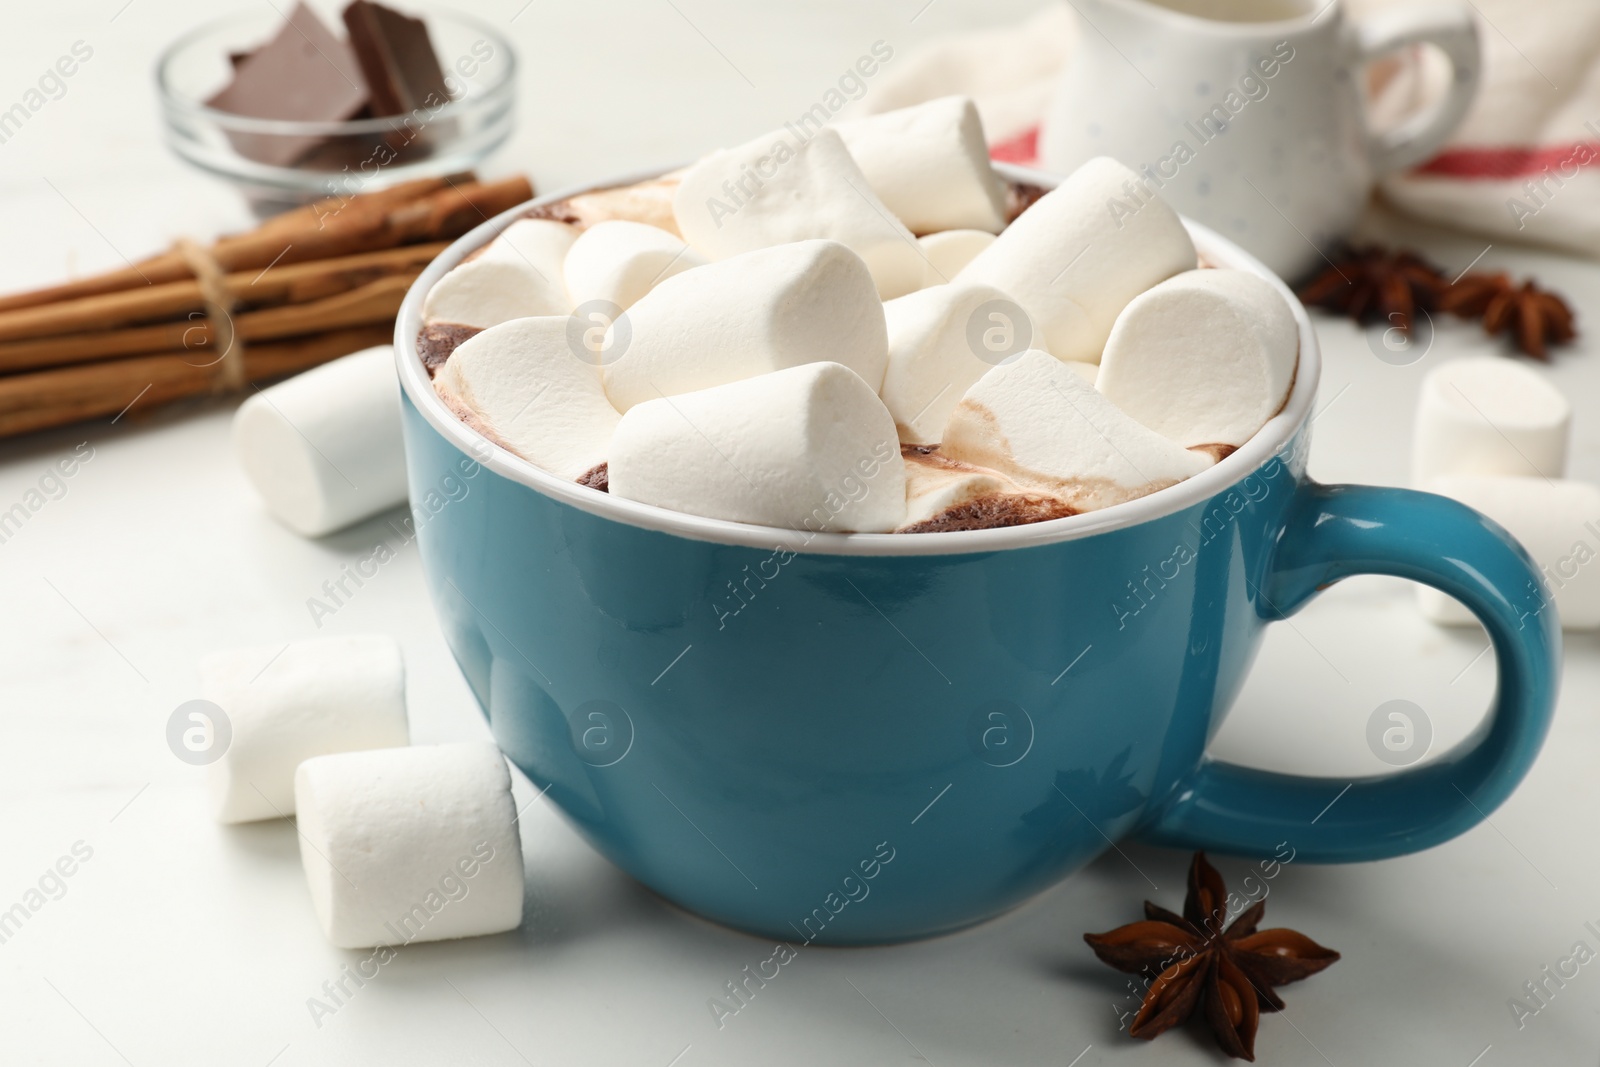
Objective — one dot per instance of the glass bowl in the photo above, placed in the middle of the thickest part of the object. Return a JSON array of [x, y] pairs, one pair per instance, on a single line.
[[344, 158]]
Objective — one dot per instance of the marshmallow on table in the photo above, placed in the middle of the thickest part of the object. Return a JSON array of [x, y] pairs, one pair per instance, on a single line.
[[515, 275], [410, 844], [620, 261], [532, 387], [1203, 358], [1488, 415], [1558, 522], [810, 447], [285, 705], [1082, 251], [778, 189], [1036, 421], [929, 164], [941, 340], [324, 448], [947, 252], [762, 311]]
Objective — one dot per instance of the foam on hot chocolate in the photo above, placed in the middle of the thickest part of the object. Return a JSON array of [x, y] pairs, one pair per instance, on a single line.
[[773, 385]]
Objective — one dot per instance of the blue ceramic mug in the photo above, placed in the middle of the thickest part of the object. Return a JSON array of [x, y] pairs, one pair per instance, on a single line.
[[866, 738]]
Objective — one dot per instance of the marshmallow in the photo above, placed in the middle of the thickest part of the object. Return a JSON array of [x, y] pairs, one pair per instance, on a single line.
[[1488, 415], [1037, 422], [933, 489], [531, 386], [515, 275], [760, 312], [323, 449], [810, 447], [1204, 358], [946, 253], [1558, 522], [410, 844], [942, 495], [929, 164], [1077, 256], [619, 261], [777, 189], [1087, 371], [648, 201], [285, 705], [941, 340]]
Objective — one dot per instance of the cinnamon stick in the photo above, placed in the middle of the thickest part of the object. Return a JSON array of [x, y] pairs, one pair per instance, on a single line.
[[64, 395], [281, 284], [421, 211], [373, 303], [444, 214], [395, 195]]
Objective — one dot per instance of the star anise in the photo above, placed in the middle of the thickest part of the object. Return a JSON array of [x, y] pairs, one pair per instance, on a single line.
[[1194, 963], [1472, 293], [1533, 317], [1372, 285]]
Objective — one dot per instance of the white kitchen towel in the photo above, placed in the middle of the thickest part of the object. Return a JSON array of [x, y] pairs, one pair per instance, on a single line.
[[1525, 164]]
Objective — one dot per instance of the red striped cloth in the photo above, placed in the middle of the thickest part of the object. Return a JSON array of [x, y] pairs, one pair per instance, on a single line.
[[1023, 149], [1507, 163]]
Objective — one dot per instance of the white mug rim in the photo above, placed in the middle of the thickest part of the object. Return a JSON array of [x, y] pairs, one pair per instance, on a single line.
[[1227, 27], [1216, 250]]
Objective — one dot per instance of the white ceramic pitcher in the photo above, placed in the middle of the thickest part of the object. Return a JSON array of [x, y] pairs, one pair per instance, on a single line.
[[1249, 115]]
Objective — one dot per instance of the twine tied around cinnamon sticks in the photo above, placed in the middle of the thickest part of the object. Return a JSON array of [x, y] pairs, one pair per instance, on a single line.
[[305, 287], [218, 302]]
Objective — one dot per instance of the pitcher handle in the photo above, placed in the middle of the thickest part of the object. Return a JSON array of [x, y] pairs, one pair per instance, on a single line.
[[1451, 28]]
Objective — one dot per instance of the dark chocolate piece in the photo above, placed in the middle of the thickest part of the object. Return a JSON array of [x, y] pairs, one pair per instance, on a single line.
[[597, 478], [401, 68], [304, 74], [436, 340]]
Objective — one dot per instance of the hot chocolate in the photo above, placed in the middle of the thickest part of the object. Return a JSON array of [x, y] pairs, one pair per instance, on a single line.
[[862, 330]]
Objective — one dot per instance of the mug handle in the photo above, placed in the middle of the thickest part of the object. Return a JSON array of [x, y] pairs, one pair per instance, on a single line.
[[1333, 532], [1450, 28]]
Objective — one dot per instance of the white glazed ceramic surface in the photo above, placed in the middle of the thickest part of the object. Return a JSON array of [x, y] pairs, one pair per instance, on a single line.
[[1250, 118]]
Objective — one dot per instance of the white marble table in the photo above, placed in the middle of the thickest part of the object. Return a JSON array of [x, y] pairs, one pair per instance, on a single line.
[[179, 942]]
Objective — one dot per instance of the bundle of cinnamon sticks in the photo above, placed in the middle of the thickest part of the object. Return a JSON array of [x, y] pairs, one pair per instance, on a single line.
[[305, 287]]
